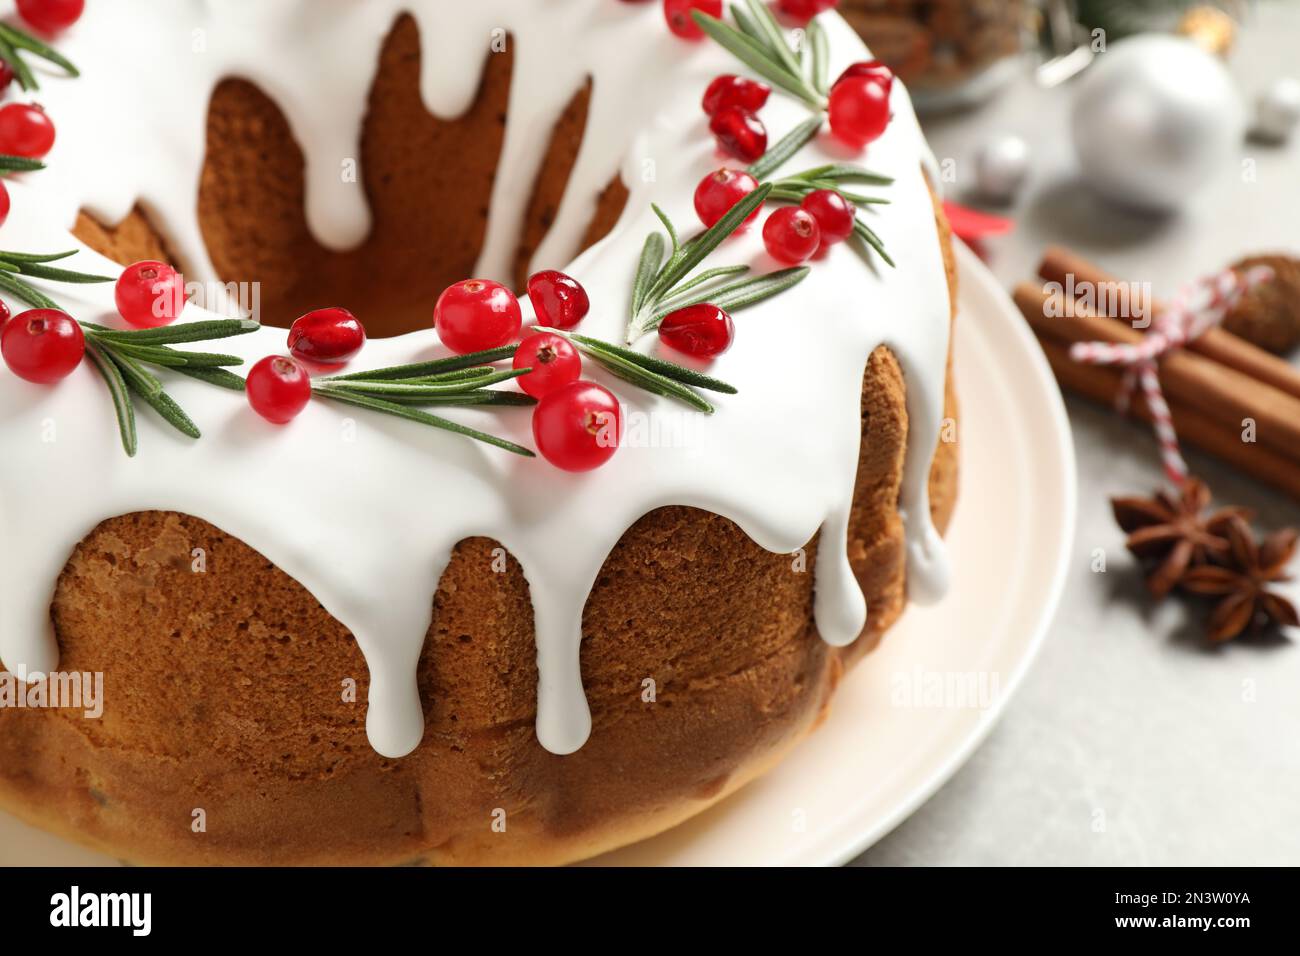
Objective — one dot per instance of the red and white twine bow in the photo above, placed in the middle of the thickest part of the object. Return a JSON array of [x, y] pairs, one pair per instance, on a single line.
[[1196, 309]]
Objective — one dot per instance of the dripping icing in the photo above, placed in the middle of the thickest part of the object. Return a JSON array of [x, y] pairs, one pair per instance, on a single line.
[[644, 122]]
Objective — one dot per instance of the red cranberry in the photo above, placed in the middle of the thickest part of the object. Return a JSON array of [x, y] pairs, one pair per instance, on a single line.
[[6, 75], [873, 69], [834, 214], [701, 330], [51, 16], [42, 345], [477, 314], [328, 336], [150, 294], [739, 133], [731, 90], [278, 388], [5, 315], [678, 15], [560, 301], [802, 11], [25, 131], [791, 235], [4, 203], [859, 110], [578, 426], [719, 191], [553, 360]]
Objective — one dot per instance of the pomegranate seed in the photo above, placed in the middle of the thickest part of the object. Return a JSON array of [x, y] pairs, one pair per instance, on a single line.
[[476, 314], [553, 360], [701, 330], [327, 336], [739, 133], [6, 75], [559, 300], [870, 68], [25, 130], [732, 90], [578, 426], [150, 294], [719, 191], [278, 388], [834, 214], [42, 345], [802, 11], [678, 15], [4, 203], [859, 110], [791, 235], [50, 16]]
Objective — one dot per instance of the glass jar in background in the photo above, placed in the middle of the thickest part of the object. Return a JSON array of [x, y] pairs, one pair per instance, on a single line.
[[950, 53]]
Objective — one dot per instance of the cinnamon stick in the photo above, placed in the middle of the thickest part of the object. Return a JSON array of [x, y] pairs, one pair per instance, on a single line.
[[1217, 343], [1102, 384], [1215, 392]]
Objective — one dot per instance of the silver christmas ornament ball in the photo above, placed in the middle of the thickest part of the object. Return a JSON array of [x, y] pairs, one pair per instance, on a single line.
[[1153, 119], [1278, 110], [1001, 166]]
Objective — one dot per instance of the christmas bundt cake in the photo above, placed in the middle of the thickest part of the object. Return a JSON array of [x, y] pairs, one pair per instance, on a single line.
[[455, 433]]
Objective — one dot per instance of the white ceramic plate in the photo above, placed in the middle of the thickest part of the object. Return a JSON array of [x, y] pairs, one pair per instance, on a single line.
[[889, 744]]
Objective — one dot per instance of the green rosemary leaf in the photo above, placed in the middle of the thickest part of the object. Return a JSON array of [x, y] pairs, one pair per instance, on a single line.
[[668, 224], [25, 41], [203, 331], [32, 256], [21, 290], [737, 295], [415, 415], [660, 368], [485, 396], [38, 271], [757, 57], [215, 376], [19, 164], [836, 172], [456, 375], [749, 26], [695, 251], [776, 36], [382, 389], [171, 358], [449, 364], [150, 389], [865, 233], [643, 378], [121, 396], [815, 37], [652, 256], [708, 274], [785, 147], [23, 73]]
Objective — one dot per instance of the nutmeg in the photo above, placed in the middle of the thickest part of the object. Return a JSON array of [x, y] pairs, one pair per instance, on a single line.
[[1269, 314]]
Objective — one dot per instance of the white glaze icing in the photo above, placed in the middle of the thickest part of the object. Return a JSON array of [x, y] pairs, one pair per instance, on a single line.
[[368, 524]]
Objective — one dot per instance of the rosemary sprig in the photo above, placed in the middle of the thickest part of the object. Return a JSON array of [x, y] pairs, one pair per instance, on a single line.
[[654, 375], [785, 147], [660, 287], [12, 40], [761, 44], [456, 380]]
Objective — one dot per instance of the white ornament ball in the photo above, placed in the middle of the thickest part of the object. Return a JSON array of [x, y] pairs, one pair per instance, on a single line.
[[1001, 166], [1278, 110], [1154, 118]]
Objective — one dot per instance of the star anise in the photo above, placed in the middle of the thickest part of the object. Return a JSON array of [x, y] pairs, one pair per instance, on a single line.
[[1169, 533], [1245, 600]]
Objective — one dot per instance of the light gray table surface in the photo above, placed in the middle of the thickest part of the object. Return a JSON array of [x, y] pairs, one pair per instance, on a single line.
[[1131, 742]]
